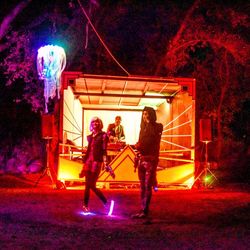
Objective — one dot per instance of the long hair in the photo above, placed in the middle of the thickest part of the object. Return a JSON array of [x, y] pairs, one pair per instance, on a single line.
[[94, 119], [151, 114]]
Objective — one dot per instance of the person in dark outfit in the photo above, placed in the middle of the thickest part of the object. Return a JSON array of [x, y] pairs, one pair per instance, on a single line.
[[148, 147], [96, 155]]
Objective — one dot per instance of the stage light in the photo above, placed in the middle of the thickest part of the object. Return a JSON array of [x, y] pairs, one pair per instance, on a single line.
[[153, 102]]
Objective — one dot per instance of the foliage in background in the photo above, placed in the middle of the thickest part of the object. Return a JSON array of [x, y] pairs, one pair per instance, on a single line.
[[201, 39], [19, 65], [211, 45]]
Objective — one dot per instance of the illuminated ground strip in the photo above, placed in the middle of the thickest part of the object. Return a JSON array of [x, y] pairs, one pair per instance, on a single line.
[[111, 208], [88, 213]]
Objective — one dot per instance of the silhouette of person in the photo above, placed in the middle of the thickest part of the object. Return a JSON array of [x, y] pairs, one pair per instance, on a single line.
[[115, 130]]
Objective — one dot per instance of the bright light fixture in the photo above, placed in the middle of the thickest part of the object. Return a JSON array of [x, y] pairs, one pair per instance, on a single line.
[[152, 102]]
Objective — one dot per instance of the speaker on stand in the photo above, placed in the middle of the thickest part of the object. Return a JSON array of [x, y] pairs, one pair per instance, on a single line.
[[47, 134], [205, 131], [47, 123]]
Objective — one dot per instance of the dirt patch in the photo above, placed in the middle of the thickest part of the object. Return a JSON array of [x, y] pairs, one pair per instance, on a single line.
[[43, 218]]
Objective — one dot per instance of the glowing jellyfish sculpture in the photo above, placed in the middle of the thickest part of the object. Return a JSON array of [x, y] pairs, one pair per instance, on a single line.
[[51, 61]]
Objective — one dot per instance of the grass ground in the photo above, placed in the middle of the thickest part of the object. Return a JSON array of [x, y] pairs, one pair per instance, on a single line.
[[43, 218]]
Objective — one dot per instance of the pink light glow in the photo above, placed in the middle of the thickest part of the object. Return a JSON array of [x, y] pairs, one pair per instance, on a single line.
[[111, 208]]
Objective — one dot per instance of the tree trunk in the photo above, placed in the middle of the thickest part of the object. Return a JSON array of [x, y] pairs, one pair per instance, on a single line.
[[224, 88]]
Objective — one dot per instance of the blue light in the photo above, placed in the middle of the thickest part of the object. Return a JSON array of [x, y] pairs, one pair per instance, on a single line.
[[51, 61], [87, 213]]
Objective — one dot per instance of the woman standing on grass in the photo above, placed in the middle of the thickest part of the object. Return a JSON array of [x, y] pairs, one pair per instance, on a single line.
[[94, 159]]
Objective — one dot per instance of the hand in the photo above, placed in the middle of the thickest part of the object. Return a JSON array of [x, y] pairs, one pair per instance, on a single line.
[[110, 170]]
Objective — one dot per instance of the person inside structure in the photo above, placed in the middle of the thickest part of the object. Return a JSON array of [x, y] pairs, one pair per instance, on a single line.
[[115, 131]]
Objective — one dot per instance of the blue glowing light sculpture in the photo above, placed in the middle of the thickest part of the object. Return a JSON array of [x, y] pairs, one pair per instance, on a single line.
[[51, 61]]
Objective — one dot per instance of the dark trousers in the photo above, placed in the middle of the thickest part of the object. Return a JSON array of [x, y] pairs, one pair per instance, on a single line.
[[91, 179], [146, 173]]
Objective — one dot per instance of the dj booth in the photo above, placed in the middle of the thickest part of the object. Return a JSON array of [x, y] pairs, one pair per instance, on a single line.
[[121, 160], [86, 96]]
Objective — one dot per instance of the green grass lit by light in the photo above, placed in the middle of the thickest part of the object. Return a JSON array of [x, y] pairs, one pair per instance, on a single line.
[[207, 178]]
